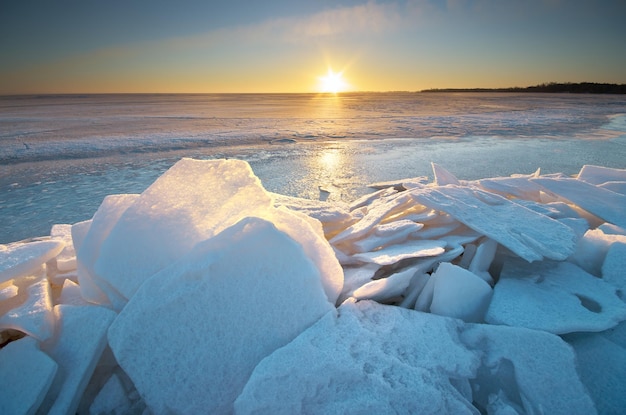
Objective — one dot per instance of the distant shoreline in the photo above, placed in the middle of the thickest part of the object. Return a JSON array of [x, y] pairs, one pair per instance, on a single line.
[[552, 87]]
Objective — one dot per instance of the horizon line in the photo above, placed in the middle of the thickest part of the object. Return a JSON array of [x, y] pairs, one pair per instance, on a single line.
[[445, 89]]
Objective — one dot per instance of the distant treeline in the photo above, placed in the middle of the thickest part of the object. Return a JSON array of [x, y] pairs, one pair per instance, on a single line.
[[574, 88]]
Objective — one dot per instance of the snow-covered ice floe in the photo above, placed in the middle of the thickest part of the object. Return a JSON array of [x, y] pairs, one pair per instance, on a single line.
[[208, 294]]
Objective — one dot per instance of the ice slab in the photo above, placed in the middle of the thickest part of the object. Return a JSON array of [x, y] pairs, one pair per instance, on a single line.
[[355, 277], [437, 231], [112, 399], [411, 249], [530, 235], [533, 371], [76, 347], [70, 294], [401, 184], [417, 284], [610, 229], [334, 216], [592, 248], [557, 297], [598, 201], [617, 187], [579, 225], [35, 315], [308, 233], [222, 312], [443, 176], [387, 234], [425, 298], [518, 187], [94, 288], [79, 232], [8, 290], [484, 256], [602, 367], [459, 293], [613, 268], [66, 259], [598, 174], [22, 259], [369, 198], [26, 374], [370, 359], [174, 214], [57, 280], [617, 334], [376, 212], [416, 213], [385, 288]]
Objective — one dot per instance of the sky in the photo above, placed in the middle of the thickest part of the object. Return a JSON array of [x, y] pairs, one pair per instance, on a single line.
[[236, 46]]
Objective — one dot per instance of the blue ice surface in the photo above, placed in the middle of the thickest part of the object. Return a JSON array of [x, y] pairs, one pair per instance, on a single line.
[[58, 160]]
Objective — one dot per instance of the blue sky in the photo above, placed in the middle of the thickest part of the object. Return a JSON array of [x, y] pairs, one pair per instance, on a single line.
[[286, 46]]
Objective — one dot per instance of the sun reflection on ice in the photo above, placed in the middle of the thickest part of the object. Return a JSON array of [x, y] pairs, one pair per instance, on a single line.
[[331, 171], [329, 159]]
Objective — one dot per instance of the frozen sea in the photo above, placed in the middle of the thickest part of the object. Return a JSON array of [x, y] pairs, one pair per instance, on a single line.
[[60, 155]]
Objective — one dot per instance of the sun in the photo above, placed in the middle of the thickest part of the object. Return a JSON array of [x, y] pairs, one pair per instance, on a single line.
[[332, 82]]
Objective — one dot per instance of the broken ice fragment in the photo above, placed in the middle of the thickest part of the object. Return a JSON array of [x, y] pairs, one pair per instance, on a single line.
[[613, 268], [173, 215], [459, 293], [518, 187], [410, 249], [387, 234], [370, 359], [534, 370], [557, 297], [355, 277], [385, 288], [443, 176], [592, 248], [598, 174], [600, 202], [34, 316], [602, 367], [376, 212], [213, 343], [530, 235], [24, 258], [26, 374], [76, 347], [66, 259], [93, 288]]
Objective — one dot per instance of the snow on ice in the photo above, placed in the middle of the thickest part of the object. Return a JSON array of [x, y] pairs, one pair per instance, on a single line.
[[206, 293]]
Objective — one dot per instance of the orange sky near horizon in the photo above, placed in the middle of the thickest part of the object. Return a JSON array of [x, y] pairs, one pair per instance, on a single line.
[[378, 45]]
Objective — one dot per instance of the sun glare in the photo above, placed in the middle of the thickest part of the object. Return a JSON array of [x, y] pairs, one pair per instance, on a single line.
[[332, 82]]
